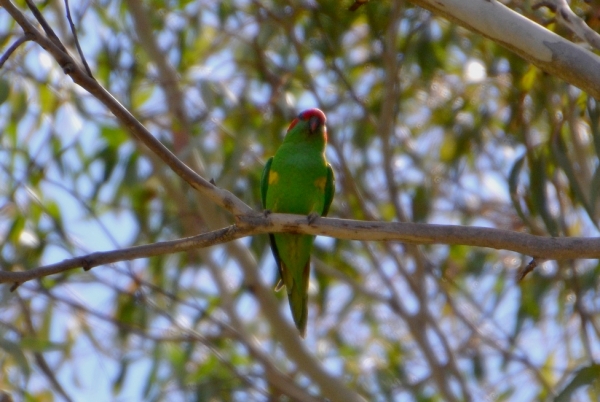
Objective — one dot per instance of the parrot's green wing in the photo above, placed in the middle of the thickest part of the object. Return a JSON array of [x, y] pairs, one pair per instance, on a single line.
[[264, 186], [264, 182], [329, 190]]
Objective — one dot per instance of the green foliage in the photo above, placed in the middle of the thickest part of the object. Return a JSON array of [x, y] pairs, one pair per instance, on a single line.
[[585, 376]]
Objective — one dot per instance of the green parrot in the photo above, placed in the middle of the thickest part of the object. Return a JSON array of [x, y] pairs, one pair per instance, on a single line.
[[298, 180]]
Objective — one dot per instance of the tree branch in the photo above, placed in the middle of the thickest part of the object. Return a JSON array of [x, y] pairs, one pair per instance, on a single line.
[[167, 74], [219, 196], [92, 260], [14, 47], [547, 248], [38, 356], [568, 18], [45, 26], [524, 37], [74, 31], [533, 264]]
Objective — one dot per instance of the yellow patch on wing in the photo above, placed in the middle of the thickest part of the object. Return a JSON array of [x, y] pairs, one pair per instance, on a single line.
[[273, 177], [320, 183]]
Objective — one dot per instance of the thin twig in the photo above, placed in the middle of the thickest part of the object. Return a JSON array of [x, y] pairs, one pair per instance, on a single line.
[[74, 31], [49, 31], [522, 273], [39, 357], [14, 47]]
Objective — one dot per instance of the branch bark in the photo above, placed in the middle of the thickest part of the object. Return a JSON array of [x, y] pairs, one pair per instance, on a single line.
[[547, 248], [524, 37], [568, 18]]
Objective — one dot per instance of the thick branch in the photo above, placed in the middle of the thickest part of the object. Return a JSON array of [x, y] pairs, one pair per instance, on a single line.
[[219, 196], [567, 17], [548, 248], [529, 40]]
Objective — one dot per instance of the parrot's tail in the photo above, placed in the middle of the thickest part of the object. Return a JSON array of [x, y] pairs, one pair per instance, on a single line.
[[298, 296]]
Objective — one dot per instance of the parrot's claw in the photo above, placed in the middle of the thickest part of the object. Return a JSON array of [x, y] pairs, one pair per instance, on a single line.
[[312, 217], [267, 212]]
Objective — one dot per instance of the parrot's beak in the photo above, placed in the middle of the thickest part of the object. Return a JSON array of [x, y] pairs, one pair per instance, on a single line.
[[313, 124]]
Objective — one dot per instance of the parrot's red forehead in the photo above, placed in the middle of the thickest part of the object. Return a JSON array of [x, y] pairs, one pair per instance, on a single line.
[[307, 114]]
